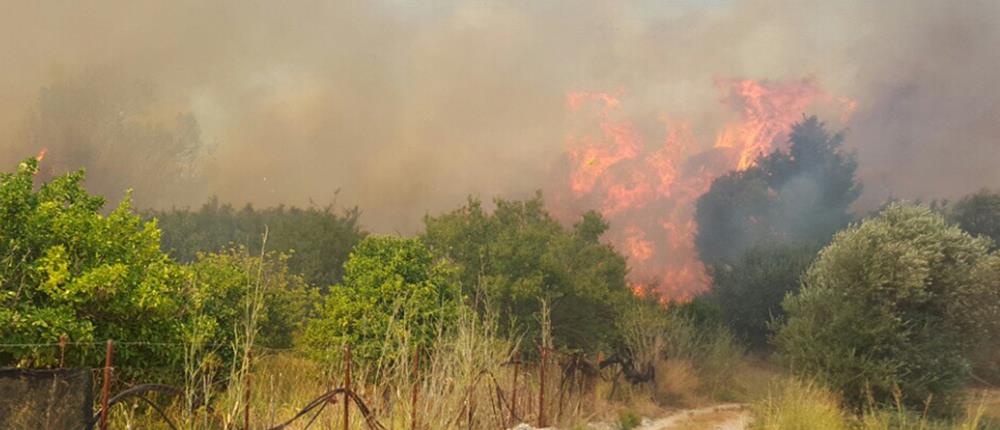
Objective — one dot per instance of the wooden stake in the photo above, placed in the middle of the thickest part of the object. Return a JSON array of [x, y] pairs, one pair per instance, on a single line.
[[106, 386]]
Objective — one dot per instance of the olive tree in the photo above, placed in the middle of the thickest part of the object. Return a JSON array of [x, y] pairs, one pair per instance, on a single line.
[[891, 308]]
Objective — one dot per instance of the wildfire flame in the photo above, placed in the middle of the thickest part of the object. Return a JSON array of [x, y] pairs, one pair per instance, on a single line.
[[768, 111], [648, 194], [41, 154]]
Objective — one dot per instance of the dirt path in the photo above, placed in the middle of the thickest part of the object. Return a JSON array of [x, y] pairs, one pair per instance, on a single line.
[[731, 416], [719, 417]]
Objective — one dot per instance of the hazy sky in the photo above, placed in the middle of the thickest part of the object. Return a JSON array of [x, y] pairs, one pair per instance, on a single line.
[[408, 107]]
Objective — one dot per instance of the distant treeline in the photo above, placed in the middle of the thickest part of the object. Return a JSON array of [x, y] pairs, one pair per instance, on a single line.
[[316, 240]]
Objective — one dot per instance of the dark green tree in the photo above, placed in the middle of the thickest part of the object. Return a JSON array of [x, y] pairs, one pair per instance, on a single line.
[[979, 215], [796, 197], [759, 228], [515, 258]]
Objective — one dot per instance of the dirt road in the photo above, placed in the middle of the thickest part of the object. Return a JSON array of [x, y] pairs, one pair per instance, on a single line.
[[719, 417], [731, 416]]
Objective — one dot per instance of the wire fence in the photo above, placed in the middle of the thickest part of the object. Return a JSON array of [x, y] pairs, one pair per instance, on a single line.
[[572, 373]]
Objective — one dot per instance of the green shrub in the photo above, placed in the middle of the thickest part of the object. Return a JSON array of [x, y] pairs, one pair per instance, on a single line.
[[518, 256], [67, 269], [792, 404], [979, 215], [892, 305], [392, 286], [221, 284], [750, 290], [628, 420]]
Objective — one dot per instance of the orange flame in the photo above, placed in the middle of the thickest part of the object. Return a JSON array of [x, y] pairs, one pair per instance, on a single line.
[[648, 195], [591, 157], [768, 110], [41, 154]]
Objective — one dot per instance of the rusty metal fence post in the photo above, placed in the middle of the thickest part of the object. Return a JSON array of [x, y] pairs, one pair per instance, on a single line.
[[62, 350], [347, 385], [541, 387], [106, 386]]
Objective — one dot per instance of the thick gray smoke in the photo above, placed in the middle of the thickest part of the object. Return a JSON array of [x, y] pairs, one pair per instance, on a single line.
[[407, 107]]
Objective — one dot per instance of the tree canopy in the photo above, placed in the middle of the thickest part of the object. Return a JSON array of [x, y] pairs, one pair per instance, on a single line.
[[394, 290], [979, 214], [516, 257], [796, 197], [67, 269]]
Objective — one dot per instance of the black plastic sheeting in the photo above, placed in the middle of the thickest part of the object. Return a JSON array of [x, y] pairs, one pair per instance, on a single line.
[[46, 399]]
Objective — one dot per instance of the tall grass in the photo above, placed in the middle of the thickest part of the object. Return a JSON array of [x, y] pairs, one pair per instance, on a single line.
[[794, 404], [456, 384]]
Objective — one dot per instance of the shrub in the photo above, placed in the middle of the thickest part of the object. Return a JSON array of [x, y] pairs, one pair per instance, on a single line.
[[708, 345], [512, 260], [392, 286], [316, 241], [628, 420], [792, 404], [67, 269], [979, 215], [749, 292], [891, 304], [221, 284]]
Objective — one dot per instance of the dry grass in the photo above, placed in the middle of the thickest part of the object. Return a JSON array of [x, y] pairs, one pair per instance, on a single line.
[[456, 388], [677, 384], [794, 404]]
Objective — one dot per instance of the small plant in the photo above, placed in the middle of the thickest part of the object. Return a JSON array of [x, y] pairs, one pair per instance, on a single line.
[[628, 420]]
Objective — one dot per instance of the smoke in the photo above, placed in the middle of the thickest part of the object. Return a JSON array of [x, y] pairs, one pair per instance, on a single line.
[[408, 107]]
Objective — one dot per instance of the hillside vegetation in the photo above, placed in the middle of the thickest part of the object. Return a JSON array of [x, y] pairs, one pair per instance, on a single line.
[[493, 316]]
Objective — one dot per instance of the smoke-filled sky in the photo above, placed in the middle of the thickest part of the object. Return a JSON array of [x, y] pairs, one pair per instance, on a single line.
[[407, 107]]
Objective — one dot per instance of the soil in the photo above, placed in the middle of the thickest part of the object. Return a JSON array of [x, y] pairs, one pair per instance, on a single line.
[[720, 417]]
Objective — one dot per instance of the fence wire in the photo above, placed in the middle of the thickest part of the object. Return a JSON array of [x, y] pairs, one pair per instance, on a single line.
[[575, 373]]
